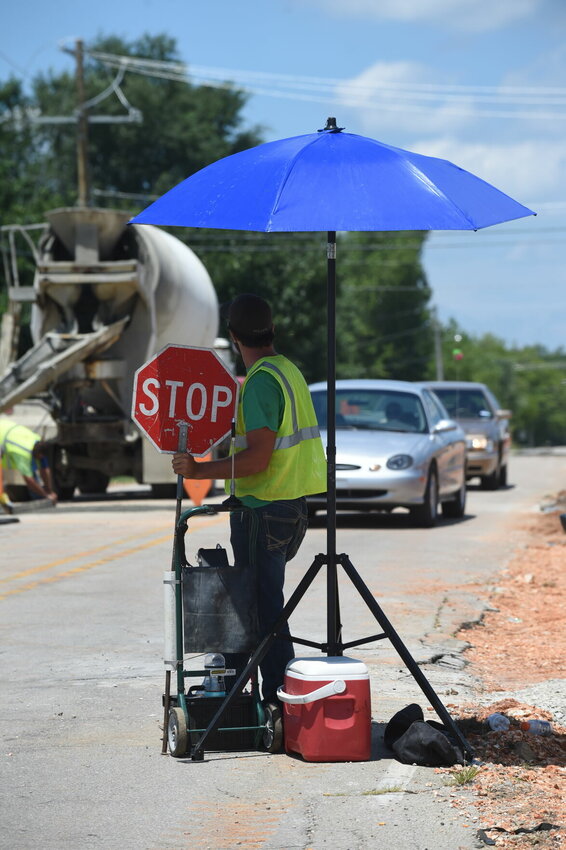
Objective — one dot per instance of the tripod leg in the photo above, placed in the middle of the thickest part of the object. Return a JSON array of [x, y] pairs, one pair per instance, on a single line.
[[256, 658], [338, 650], [403, 652]]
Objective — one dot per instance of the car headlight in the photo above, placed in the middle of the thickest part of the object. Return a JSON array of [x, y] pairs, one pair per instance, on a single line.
[[479, 442], [400, 462]]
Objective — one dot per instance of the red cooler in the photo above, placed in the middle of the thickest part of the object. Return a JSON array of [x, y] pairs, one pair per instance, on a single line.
[[327, 709]]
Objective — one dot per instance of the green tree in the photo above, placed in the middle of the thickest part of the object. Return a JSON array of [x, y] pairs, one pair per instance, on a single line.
[[184, 127], [529, 381], [289, 270], [383, 317]]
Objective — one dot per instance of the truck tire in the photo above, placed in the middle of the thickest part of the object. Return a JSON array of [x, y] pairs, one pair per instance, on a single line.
[[92, 482]]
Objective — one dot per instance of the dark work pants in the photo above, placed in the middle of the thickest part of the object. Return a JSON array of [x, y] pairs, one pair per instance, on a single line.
[[280, 531]]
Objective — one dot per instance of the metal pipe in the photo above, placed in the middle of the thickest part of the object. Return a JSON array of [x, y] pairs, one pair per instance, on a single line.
[[331, 580], [176, 564]]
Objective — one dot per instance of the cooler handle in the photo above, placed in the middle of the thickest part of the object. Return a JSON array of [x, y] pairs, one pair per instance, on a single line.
[[336, 687]]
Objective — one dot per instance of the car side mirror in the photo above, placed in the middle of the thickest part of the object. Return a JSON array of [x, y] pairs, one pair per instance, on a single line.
[[444, 425], [503, 414]]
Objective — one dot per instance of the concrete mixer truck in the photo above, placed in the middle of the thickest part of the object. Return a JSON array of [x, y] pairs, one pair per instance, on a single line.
[[105, 298]]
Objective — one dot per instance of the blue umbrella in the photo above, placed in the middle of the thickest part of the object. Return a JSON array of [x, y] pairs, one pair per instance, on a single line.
[[332, 181]]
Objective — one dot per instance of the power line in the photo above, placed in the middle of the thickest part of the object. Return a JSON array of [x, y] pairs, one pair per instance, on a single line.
[[393, 96]]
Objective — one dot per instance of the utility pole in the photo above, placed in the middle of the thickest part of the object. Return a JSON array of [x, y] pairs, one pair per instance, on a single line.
[[82, 118], [437, 346], [82, 130]]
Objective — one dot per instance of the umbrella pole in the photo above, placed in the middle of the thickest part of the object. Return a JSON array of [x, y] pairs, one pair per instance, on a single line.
[[333, 636]]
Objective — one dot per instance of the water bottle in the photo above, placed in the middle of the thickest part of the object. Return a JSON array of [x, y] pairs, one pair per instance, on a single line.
[[214, 682], [537, 727], [498, 722]]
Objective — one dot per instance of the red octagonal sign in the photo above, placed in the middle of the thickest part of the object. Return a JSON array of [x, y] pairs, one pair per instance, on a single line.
[[184, 384]]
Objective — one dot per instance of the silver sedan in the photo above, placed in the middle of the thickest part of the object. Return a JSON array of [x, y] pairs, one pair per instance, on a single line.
[[395, 447]]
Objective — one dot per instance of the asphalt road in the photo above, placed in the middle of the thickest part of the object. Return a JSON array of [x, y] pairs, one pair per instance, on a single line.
[[82, 679]]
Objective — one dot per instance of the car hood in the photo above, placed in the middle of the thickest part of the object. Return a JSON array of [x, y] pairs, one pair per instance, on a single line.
[[478, 426], [359, 446]]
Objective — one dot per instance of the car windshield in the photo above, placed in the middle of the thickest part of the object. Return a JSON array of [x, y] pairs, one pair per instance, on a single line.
[[464, 403], [373, 409]]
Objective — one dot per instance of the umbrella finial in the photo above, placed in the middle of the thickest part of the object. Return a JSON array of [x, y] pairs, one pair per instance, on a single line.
[[331, 127]]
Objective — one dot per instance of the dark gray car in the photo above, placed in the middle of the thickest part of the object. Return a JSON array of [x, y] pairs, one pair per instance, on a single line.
[[485, 424]]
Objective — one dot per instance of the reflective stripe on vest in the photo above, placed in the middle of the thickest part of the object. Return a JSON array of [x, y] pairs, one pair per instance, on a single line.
[[298, 433], [286, 442]]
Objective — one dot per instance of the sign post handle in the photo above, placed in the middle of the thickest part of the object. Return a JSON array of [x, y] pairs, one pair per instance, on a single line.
[[181, 447]]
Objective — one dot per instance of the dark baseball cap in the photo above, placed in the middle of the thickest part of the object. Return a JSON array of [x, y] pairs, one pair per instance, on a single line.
[[248, 315]]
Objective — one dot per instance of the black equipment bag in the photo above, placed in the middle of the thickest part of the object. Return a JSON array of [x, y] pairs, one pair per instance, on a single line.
[[219, 600], [219, 604], [416, 741]]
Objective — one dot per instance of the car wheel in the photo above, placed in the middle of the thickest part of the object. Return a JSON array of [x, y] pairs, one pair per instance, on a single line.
[[426, 515], [456, 507], [491, 482], [503, 476]]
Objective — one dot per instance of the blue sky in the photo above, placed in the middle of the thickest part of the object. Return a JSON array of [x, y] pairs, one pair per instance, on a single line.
[[479, 82]]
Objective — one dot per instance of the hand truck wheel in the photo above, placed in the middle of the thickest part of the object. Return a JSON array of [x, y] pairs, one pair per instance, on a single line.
[[273, 732], [177, 737]]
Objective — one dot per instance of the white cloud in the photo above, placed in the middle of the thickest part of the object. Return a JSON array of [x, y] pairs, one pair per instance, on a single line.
[[525, 159], [526, 170], [468, 15], [387, 95]]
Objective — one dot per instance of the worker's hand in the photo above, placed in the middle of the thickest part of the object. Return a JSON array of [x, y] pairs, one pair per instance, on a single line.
[[184, 464], [52, 497]]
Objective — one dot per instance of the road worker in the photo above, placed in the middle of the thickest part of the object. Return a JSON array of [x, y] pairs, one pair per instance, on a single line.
[[279, 461], [24, 450]]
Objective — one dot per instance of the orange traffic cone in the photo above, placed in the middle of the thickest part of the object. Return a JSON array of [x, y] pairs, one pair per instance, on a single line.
[[197, 489]]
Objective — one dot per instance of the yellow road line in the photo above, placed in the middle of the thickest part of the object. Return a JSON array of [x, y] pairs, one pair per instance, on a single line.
[[78, 555], [96, 563]]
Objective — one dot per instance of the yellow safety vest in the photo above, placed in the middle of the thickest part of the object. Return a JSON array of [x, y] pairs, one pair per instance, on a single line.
[[298, 464], [16, 445]]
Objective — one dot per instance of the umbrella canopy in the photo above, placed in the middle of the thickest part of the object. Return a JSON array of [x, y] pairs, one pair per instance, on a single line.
[[332, 181]]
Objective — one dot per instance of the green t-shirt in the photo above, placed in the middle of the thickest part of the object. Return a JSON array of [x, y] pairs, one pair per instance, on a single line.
[[264, 405]]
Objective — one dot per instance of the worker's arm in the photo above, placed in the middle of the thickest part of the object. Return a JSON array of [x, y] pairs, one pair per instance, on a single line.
[[47, 479], [255, 458], [36, 487]]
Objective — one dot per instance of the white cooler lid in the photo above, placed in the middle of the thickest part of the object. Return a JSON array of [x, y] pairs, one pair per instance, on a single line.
[[326, 668]]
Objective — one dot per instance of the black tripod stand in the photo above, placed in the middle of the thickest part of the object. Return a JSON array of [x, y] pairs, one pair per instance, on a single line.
[[333, 645]]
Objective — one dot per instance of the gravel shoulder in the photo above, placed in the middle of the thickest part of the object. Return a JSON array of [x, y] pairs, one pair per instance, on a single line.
[[514, 653]]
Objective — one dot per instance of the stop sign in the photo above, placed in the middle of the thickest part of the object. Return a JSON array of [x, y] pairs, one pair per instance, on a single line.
[[184, 384]]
